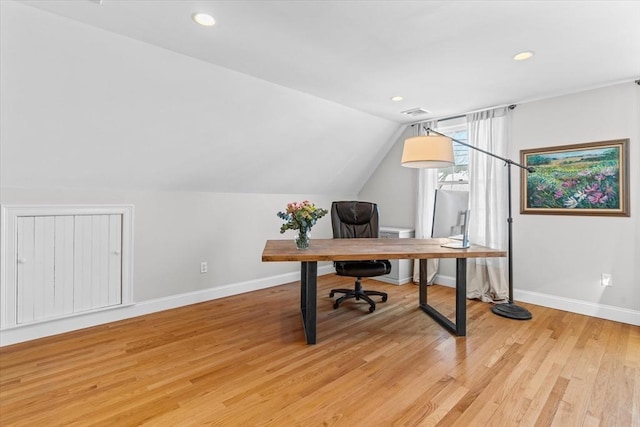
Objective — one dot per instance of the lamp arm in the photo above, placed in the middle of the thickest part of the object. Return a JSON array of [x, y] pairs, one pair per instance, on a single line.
[[507, 161]]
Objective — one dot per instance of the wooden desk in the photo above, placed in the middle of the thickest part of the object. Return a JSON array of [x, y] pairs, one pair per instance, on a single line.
[[367, 249]]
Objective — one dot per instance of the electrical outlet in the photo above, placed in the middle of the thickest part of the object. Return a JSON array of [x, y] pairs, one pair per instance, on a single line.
[[203, 267], [606, 280]]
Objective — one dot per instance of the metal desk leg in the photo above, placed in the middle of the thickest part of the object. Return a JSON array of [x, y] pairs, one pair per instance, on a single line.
[[308, 298], [424, 273], [461, 297], [460, 327]]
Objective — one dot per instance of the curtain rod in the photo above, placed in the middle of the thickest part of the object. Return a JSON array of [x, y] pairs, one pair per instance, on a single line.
[[459, 116]]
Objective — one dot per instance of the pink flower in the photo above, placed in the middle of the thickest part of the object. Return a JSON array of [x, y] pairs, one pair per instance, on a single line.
[[592, 188], [597, 198]]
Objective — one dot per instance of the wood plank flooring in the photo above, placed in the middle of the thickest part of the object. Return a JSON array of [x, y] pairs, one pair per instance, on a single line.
[[243, 361]]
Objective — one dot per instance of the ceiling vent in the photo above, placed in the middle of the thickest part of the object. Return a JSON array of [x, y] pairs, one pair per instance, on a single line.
[[416, 112]]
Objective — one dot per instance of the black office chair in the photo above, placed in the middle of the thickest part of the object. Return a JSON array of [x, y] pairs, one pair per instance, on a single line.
[[357, 220]]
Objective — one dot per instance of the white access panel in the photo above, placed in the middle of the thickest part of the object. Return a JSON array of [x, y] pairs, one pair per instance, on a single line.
[[44, 284], [61, 261], [97, 260]]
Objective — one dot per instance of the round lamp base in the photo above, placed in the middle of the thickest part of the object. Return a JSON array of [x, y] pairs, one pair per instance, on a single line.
[[511, 311]]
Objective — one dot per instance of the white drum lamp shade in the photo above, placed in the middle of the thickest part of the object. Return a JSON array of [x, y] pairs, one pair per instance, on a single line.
[[427, 152]]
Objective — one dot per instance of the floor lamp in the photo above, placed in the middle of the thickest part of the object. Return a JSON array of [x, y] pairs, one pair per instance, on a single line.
[[436, 151]]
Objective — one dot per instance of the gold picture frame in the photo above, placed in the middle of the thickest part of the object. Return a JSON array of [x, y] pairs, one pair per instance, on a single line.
[[580, 179]]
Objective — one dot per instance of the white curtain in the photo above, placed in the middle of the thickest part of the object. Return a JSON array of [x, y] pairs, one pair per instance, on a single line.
[[427, 184], [488, 130]]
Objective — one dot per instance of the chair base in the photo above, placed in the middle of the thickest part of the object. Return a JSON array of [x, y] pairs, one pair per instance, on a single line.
[[358, 293]]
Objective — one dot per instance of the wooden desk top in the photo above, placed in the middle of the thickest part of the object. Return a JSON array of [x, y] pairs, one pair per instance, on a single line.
[[366, 249]]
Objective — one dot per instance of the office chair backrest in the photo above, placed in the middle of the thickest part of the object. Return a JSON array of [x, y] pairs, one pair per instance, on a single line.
[[354, 219]]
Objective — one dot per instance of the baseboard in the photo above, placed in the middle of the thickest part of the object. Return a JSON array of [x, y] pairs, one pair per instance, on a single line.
[[30, 332], [398, 282], [448, 281], [601, 311]]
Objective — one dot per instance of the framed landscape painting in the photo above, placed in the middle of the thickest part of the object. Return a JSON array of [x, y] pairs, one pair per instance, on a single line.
[[579, 179]]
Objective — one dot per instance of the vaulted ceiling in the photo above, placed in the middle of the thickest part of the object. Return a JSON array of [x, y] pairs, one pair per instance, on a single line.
[[277, 96]]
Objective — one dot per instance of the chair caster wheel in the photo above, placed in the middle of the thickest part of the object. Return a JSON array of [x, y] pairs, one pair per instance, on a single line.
[[330, 294], [336, 305], [372, 309], [384, 299]]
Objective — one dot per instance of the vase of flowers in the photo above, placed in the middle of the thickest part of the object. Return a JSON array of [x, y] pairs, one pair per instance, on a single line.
[[301, 216]]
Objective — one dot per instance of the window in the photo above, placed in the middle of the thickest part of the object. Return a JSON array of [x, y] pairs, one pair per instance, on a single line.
[[456, 177]]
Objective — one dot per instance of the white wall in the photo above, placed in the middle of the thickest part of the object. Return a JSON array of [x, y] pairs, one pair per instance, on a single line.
[[173, 233], [564, 256], [393, 187], [558, 259], [206, 155]]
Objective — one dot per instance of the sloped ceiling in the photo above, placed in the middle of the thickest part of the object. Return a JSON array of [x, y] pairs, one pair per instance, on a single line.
[[278, 96]]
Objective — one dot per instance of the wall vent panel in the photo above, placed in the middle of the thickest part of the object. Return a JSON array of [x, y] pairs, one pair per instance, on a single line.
[[59, 261]]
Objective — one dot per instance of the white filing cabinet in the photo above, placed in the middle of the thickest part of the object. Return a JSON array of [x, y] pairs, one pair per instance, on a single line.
[[401, 269]]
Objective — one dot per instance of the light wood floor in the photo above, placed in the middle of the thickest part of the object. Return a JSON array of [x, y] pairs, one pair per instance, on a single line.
[[243, 361]]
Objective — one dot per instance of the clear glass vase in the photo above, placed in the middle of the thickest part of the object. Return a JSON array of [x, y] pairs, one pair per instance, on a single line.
[[303, 238]]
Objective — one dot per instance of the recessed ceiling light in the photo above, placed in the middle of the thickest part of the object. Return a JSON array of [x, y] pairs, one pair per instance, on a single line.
[[204, 19], [522, 56], [396, 98]]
